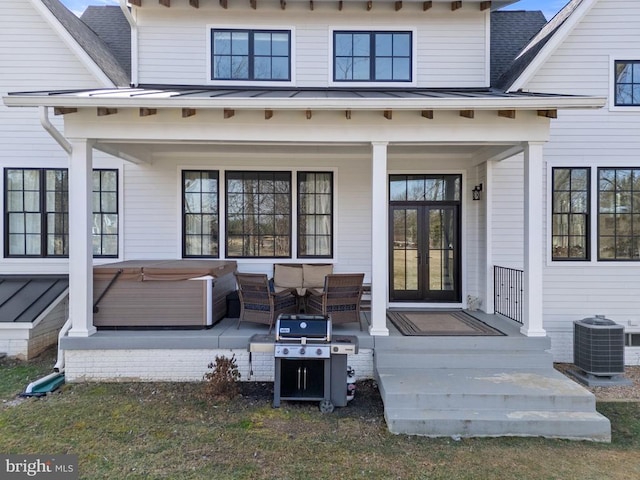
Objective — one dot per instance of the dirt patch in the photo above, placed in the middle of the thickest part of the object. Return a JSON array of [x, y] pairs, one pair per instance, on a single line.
[[366, 403]]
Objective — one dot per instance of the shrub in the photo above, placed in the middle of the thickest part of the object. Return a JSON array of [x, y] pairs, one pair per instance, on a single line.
[[222, 382]]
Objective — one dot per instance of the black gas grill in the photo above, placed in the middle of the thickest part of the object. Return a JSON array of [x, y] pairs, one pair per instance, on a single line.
[[310, 364]]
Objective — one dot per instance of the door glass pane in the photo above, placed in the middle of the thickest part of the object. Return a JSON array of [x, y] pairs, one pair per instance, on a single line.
[[405, 249], [441, 249]]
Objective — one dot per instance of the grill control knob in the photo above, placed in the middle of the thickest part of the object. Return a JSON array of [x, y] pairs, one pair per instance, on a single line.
[[335, 349], [319, 351], [285, 351], [302, 351]]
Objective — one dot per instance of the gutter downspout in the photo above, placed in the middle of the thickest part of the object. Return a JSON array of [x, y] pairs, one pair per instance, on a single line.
[[59, 366], [53, 131], [134, 41]]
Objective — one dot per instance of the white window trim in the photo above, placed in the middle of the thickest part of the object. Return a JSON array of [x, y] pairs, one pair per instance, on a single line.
[[633, 56], [368, 29], [253, 83]]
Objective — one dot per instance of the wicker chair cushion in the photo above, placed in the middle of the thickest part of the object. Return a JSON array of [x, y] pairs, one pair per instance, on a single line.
[[313, 275], [285, 276]]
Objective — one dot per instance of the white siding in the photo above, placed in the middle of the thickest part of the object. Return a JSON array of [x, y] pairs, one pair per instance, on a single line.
[[582, 65], [32, 57], [451, 46], [508, 209], [153, 227]]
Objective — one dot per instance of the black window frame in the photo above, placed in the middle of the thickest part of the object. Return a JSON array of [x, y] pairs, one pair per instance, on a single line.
[[619, 212], [257, 175], [251, 55], [44, 212], [633, 84], [200, 213], [103, 213], [373, 56], [301, 213], [573, 195]]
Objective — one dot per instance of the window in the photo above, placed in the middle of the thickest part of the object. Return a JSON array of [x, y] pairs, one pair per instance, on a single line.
[[627, 83], [424, 188], [251, 55], [105, 213], [200, 213], [372, 56], [37, 213], [618, 214], [258, 214], [315, 214], [570, 215]]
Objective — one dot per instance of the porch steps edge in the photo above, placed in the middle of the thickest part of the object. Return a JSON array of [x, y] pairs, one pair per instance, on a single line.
[[493, 423], [482, 389], [476, 358], [444, 344]]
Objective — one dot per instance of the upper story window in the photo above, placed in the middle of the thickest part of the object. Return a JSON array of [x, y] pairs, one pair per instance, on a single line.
[[381, 56], [37, 213], [570, 215], [619, 214], [263, 55], [627, 78]]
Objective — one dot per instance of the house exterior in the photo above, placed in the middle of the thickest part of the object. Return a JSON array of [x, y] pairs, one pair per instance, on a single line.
[[43, 46], [380, 114], [591, 243]]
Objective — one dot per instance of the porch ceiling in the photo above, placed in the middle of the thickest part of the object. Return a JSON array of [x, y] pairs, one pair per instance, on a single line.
[[148, 151]]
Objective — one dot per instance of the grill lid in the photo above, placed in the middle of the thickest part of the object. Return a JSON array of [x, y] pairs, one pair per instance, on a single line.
[[297, 327]]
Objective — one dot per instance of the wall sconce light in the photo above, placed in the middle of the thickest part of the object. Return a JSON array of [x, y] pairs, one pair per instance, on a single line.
[[476, 192]]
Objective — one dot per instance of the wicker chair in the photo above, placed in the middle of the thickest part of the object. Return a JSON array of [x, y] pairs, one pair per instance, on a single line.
[[340, 298], [258, 303]]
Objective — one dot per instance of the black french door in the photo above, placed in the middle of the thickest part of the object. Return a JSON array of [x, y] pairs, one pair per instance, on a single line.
[[425, 252]]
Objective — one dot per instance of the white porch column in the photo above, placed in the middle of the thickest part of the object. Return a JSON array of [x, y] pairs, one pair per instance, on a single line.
[[534, 199], [379, 240], [80, 242]]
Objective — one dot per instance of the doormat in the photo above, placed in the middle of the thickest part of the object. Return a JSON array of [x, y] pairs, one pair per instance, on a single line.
[[446, 323]]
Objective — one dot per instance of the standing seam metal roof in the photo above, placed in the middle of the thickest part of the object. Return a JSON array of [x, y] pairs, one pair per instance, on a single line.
[[23, 298]]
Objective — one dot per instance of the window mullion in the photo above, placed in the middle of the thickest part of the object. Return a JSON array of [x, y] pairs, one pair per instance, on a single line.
[[251, 57], [372, 56], [43, 214]]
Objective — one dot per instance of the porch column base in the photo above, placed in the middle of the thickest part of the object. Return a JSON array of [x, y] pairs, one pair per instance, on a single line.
[[532, 332], [74, 332], [378, 332]]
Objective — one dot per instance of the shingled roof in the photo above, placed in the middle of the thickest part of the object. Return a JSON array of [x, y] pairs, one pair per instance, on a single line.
[[537, 43], [110, 24], [511, 30], [90, 43]]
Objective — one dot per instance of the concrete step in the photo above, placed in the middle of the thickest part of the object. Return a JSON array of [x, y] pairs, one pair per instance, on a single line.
[[482, 389], [445, 344], [494, 423], [459, 358]]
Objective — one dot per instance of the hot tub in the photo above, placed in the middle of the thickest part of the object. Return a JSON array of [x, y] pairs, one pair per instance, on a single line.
[[161, 293]]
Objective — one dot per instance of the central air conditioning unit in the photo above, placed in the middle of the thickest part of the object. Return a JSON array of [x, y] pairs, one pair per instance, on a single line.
[[598, 346]]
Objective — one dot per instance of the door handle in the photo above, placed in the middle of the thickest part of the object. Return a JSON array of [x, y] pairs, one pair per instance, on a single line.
[[299, 376], [305, 379]]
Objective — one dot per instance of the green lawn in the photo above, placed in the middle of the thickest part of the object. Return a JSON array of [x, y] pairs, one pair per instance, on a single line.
[[153, 431]]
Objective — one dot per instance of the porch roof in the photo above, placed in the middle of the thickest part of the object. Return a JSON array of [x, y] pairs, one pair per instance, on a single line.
[[167, 96]]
